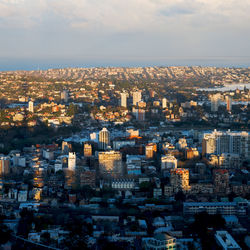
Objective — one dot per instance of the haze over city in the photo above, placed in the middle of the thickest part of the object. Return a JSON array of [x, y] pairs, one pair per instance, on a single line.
[[85, 33]]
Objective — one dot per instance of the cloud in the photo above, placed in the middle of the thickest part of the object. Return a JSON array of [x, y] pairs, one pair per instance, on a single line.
[[119, 15], [21, 13], [119, 29]]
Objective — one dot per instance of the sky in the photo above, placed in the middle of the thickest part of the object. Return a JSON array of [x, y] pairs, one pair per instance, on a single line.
[[40, 34]]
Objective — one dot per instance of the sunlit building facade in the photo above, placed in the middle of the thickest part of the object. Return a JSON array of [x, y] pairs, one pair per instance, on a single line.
[[104, 139]]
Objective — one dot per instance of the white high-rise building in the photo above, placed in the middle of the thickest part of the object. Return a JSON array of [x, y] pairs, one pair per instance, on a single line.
[[104, 139], [136, 97], [215, 102], [164, 103], [219, 142], [124, 99], [72, 161], [31, 106]]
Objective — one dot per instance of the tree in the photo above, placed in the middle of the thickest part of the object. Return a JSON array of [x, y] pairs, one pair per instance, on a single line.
[[180, 196], [72, 109], [4, 232], [231, 196], [204, 221], [46, 237], [145, 186], [24, 225]]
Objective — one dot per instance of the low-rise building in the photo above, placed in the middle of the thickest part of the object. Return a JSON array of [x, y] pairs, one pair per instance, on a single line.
[[168, 162], [224, 208], [123, 184], [159, 242], [226, 241], [117, 144]]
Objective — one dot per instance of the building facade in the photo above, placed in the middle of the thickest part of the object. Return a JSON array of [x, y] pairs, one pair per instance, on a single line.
[[226, 241], [179, 179], [110, 163], [65, 95], [224, 208], [4, 165], [150, 150], [104, 139], [87, 150], [219, 142], [159, 242], [221, 181], [124, 100], [229, 103], [72, 161], [31, 106], [164, 103], [215, 102], [136, 97], [168, 162]]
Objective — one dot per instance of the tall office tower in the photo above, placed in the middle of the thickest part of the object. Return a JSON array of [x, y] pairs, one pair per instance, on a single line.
[[219, 142], [124, 100], [215, 102], [110, 163], [31, 106], [87, 150], [4, 165], [179, 179], [221, 180], [150, 150], [164, 103], [136, 97], [65, 95], [168, 162], [229, 103], [72, 161], [104, 139]]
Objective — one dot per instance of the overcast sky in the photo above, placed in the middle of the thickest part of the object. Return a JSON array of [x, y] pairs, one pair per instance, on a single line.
[[60, 33]]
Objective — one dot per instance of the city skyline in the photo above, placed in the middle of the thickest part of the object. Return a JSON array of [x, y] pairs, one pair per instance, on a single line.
[[124, 124]]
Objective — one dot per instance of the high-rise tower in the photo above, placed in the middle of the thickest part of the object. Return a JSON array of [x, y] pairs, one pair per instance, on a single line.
[[72, 161], [124, 99], [65, 95], [164, 103], [104, 139], [136, 97], [31, 106], [229, 103], [215, 102]]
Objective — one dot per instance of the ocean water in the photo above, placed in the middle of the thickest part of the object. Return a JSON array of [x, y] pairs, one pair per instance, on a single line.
[[228, 87]]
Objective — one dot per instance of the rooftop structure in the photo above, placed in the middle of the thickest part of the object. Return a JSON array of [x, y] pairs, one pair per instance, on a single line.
[[226, 241]]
